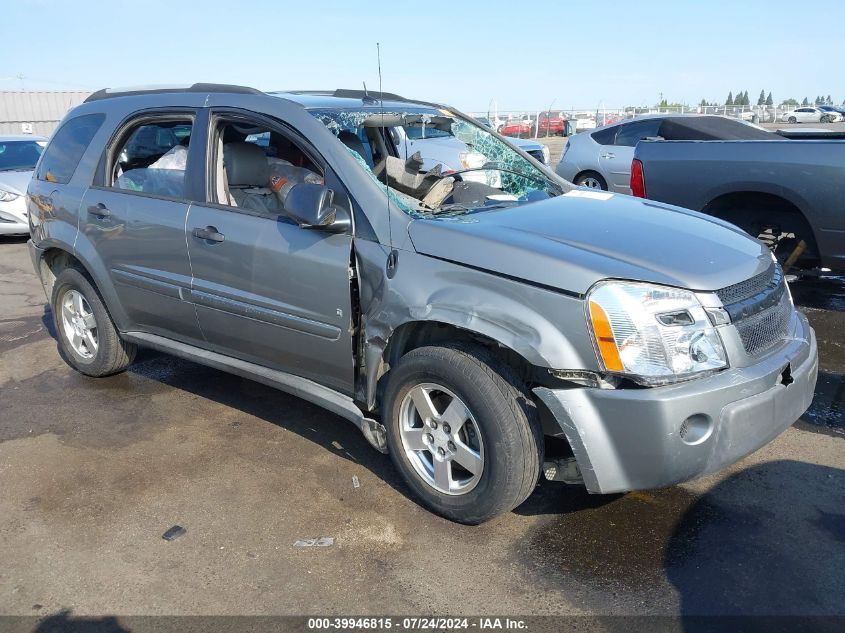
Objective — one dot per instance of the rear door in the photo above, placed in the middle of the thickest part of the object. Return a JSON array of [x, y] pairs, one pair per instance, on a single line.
[[615, 160], [265, 289], [135, 218]]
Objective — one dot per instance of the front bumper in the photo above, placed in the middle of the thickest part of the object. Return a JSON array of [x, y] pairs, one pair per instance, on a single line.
[[13, 217], [635, 439], [14, 228]]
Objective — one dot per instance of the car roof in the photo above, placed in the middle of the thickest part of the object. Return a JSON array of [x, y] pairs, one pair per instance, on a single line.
[[339, 99], [5, 138]]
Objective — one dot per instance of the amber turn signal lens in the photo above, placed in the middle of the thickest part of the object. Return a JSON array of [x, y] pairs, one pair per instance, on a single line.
[[604, 338]]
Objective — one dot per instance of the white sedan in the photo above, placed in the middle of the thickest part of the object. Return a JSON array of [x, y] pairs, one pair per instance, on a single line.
[[18, 155], [808, 114]]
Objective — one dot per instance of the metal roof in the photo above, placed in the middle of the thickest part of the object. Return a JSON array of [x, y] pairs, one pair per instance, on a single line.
[[39, 109]]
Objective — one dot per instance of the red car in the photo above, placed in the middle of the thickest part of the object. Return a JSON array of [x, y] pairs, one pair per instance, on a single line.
[[520, 129], [552, 124]]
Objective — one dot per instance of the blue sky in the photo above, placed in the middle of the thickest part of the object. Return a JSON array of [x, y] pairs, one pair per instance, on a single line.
[[521, 55]]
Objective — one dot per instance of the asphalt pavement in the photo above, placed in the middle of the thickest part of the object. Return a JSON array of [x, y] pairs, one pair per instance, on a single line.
[[94, 471]]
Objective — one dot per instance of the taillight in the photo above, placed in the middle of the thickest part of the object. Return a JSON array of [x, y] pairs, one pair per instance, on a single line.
[[637, 179]]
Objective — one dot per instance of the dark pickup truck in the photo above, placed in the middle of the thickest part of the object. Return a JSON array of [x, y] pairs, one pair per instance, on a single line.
[[784, 192]]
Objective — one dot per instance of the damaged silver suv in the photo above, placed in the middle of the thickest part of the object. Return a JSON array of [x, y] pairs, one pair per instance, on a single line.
[[480, 322]]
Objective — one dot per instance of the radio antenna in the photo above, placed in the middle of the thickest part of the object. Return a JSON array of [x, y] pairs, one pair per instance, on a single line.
[[384, 140]]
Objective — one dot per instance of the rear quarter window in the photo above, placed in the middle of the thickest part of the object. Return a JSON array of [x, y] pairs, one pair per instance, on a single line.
[[60, 159], [630, 134], [605, 136]]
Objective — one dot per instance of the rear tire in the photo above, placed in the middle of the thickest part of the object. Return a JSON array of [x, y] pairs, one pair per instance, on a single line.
[[486, 465], [592, 180], [88, 339]]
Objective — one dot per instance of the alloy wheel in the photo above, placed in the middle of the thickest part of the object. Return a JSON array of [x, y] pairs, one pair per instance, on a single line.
[[79, 324], [441, 439]]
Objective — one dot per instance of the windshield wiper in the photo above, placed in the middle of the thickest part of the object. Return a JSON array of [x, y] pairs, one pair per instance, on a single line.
[[461, 209]]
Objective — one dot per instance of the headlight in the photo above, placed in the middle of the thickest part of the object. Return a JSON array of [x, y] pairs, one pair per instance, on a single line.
[[653, 334], [7, 196]]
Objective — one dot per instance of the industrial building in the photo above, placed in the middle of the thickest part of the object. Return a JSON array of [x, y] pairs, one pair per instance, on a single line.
[[36, 111]]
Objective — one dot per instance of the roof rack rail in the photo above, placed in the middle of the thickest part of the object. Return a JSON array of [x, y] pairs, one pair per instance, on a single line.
[[108, 93], [344, 93], [360, 94]]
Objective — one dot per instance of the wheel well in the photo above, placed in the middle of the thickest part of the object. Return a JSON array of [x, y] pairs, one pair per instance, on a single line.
[[755, 212], [410, 336], [589, 172], [53, 262]]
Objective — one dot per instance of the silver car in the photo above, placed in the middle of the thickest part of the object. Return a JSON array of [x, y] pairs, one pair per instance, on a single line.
[[283, 237], [601, 159], [18, 155]]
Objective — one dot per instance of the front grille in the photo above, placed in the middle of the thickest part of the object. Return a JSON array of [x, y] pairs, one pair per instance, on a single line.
[[748, 288], [760, 309], [766, 329]]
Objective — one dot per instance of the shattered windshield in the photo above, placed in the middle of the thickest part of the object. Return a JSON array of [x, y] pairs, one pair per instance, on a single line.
[[431, 162]]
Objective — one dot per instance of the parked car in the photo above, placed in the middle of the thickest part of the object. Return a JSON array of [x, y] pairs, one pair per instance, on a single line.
[[808, 115], [784, 192], [457, 324], [519, 128], [835, 113], [530, 147], [18, 155], [551, 124], [602, 159]]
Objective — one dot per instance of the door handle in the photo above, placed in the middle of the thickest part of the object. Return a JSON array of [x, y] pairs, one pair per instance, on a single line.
[[99, 210], [609, 155], [209, 233]]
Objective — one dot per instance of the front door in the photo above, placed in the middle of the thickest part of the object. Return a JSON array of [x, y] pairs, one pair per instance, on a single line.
[[135, 219], [265, 289]]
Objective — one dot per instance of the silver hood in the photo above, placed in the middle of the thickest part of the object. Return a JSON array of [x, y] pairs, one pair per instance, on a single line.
[[570, 242], [15, 181]]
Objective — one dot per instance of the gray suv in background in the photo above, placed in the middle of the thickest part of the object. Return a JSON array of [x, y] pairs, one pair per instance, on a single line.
[[479, 325]]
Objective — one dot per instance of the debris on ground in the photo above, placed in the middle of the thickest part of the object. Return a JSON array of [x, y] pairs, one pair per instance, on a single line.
[[355, 481], [319, 541], [173, 533]]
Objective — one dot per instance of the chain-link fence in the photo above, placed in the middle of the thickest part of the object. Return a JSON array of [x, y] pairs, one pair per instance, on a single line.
[[548, 123]]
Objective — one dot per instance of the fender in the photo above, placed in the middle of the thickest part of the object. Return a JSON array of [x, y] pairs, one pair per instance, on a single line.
[[752, 187], [530, 321]]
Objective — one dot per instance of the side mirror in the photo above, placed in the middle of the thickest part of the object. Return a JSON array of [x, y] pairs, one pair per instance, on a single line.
[[311, 206]]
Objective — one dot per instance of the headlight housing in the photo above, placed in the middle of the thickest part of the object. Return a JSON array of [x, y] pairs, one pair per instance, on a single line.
[[7, 196], [652, 334]]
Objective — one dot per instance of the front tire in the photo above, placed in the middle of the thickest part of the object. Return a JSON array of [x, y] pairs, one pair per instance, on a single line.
[[88, 339], [462, 432], [792, 119]]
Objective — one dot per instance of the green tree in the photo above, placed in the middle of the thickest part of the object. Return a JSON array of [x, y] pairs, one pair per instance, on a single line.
[[746, 100], [730, 99], [761, 100], [805, 102], [829, 101], [769, 100], [792, 102]]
